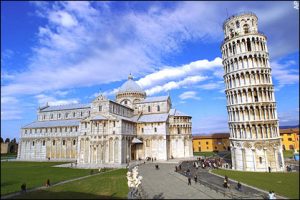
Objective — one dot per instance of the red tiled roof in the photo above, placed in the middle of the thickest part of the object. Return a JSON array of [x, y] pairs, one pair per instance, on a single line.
[[212, 136]]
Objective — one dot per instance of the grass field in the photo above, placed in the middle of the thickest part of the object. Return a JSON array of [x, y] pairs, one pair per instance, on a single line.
[[285, 184], [111, 185], [204, 153], [34, 174], [288, 153]]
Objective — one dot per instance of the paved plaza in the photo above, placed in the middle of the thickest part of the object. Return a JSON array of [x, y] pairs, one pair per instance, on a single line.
[[165, 183]]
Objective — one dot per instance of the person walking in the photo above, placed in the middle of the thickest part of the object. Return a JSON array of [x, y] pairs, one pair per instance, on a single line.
[[239, 186], [189, 181], [195, 179], [269, 169]]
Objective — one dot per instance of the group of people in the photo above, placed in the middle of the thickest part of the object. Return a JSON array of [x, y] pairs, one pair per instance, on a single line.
[[213, 163]]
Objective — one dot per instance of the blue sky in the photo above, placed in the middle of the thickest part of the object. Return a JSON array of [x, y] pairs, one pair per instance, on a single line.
[[67, 52]]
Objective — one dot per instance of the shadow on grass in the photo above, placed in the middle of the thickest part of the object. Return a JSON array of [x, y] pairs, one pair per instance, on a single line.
[[44, 194]]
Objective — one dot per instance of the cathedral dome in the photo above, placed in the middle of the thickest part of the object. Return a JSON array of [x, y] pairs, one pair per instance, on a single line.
[[130, 86]]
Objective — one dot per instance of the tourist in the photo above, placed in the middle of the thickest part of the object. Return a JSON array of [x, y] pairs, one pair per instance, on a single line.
[[23, 187], [176, 169], [270, 195], [195, 178], [189, 181], [269, 169], [225, 183], [48, 183], [239, 186]]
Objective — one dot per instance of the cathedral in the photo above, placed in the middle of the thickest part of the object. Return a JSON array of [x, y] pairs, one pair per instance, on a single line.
[[109, 132]]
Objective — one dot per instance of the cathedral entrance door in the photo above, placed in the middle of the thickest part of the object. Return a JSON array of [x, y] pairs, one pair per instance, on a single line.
[[133, 152]]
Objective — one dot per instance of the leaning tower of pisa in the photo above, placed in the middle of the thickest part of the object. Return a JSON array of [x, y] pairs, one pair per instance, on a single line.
[[252, 116]]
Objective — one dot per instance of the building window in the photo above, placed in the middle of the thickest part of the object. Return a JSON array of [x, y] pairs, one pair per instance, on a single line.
[[33, 143], [73, 114], [71, 129], [43, 142], [100, 108], [206, 142], [25, 131], [64, 142], [53, 142], [67, 114], [178, 130], [149, 109], [89, 113], [66, 129], [199, 148], [125, 102], [80, 114], [104, 124], [155, 129], [85, 125], [237, 24], [291, 147], [158, 108], [114, 132], [215, 147], [147, 143], [199, 143], [260, 160], [246, 28], [74, 142], [51, 116], [59, 115], [289, 139], [114, 123], [206, 147], [60, 130], [46, 130], [76, 128], [142, 130]]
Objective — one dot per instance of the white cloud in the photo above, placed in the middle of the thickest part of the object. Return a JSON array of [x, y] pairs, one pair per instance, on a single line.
[[189, 95], [190, 80], [211, 85], [52, 101], [170, 73], [62, 18], [285, 73]]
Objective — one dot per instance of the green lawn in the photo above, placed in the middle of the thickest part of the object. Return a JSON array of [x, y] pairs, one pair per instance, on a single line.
[[204, 154], [285, 184], [34, 174], [111, 185], [288, 153]]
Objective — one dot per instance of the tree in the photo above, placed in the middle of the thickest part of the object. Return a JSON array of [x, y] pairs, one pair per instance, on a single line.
[[7, 140], [2, 140]]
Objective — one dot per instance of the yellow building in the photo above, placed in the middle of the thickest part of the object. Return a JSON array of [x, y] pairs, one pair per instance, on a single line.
[[212, 142], [290, 138]]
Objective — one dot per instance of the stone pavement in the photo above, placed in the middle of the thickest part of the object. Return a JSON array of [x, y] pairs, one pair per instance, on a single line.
[[167, 184], [216, 182]]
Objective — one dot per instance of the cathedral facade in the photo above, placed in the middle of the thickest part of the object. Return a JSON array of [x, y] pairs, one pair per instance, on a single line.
[[132, 127]]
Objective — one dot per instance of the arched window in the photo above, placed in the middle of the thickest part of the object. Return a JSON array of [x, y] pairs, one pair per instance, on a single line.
[[74, 142], [178, 130], [33, 143], [246, 28], [158, 108], [53, 142], [114, 123], [237, 24], [125, 102], [59, 115], [100, 108], [73, 114], [248, 45], [64, 142], [51, 116], [43, 142], [67, 114], [142, 130], [155, 129], [149, 109], [260, 160]]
